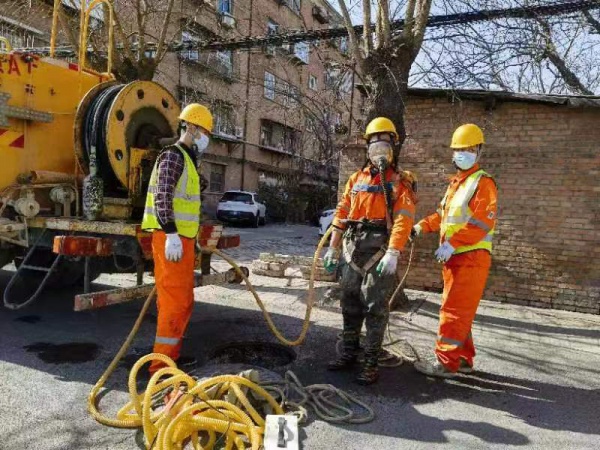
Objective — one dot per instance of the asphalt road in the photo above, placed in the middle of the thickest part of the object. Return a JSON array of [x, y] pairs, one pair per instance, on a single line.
[[537, 384]]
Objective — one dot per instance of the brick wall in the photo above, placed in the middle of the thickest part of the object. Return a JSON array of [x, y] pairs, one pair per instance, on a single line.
[[546, 161]]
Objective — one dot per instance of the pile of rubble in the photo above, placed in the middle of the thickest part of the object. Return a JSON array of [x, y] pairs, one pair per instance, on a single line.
[[275, 265]]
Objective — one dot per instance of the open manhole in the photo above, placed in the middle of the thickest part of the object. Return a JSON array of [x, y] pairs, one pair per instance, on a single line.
[[261, 354]]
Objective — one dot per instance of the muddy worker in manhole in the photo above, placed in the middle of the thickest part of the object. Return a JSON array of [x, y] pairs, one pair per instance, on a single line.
[[172, 213], [372, 225]]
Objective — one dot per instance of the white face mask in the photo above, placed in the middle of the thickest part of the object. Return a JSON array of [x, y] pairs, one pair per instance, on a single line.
[[202, 143], [464, 160]]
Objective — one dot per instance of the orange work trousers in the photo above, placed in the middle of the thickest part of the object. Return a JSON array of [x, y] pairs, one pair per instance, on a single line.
[[175, 289], [465, 276]]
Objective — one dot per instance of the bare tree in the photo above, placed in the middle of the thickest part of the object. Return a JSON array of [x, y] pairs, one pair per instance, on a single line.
[[384, 57], [542, 55]]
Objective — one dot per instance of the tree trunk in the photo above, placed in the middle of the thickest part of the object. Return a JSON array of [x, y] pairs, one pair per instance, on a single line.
[[389, 82]]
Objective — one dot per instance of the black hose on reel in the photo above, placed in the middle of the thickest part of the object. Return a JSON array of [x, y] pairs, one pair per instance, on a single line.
[[94, 134]]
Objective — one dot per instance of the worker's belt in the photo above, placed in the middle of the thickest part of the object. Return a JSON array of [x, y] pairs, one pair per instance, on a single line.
[[365, 239]]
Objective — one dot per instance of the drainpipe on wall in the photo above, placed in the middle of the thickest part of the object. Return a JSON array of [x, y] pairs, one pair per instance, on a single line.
[[248, 57]]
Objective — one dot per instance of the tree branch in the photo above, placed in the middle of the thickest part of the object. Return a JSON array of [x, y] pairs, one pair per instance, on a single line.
[[409, 21], [353, 40], [162, 48], [569, 77], [367, 34]]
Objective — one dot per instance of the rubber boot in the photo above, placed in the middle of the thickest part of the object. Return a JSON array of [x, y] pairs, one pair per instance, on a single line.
[[370, 371], [347, 360]]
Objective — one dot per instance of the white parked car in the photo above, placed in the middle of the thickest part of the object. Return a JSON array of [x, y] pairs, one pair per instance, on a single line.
[[242, 206], [325, 221]]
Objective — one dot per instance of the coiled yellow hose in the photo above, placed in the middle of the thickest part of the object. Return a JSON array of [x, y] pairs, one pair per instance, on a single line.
[[171, 427]]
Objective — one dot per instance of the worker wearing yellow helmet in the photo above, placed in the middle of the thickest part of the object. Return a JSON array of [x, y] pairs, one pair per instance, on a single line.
[[172, 214], [372, 223], [465, 219]]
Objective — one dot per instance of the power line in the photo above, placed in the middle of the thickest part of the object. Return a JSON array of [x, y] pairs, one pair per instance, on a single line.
[[292, 37], [298, 36]]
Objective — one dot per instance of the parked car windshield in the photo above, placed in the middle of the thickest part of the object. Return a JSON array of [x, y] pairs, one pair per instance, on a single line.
[[236, 197]]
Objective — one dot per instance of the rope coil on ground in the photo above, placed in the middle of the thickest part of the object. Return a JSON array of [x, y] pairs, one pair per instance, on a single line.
[[322, 399]]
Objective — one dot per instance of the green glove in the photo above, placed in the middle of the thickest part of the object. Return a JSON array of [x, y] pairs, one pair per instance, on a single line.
[[330, 261]]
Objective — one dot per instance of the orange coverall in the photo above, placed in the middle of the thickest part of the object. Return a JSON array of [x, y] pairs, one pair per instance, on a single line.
[[465, 274], [358, 203], [175, 296]]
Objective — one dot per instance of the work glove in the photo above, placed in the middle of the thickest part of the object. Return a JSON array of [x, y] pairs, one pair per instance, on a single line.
[[173, 247], [444, 252], [330, 260], [389, 262], [416, 232]]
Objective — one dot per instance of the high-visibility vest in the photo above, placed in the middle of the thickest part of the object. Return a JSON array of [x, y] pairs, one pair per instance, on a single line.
[[460, 214], [186, 200]]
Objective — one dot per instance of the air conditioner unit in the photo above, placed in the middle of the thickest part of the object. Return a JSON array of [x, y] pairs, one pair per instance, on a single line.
[[239, 132], [227, 20]]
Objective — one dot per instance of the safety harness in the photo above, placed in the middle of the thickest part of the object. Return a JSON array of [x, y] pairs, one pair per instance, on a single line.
[[371, 228]]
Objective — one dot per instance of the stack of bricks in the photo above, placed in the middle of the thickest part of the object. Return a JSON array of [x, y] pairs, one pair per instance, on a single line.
[[275, 265], [546, 161]]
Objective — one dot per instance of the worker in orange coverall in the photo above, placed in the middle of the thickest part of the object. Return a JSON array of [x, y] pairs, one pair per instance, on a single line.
[[172, 213], [466, 220], [374, 218]]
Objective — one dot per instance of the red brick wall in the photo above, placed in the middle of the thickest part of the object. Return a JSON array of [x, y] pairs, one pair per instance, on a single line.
[[546, 161]]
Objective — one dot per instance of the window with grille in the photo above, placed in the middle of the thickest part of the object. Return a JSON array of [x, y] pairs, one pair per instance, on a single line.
[[224, 118], [269, 86], [312, 82], [217, 178], [294, 5]]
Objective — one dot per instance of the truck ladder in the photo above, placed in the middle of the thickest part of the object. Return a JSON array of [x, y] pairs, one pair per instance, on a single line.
[[26, 267]]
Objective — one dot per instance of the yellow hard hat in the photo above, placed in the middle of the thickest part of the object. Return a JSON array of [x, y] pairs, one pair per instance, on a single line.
[[197, 114], [381, 125], [468, 135]]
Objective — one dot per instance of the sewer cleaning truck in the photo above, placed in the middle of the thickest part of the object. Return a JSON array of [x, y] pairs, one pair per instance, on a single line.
[[77, 149]]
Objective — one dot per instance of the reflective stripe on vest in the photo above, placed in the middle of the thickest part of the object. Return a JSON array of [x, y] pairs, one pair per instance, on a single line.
[[459, 214], [186, 200]]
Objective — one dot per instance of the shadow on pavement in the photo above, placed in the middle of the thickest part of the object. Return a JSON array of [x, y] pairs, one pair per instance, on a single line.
[[541, 405]]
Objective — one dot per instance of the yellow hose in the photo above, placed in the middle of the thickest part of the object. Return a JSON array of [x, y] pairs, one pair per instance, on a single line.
[[202, 410], [311, 294]]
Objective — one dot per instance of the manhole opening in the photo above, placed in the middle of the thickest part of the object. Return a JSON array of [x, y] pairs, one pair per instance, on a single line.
[[261, 354], [73, 352]]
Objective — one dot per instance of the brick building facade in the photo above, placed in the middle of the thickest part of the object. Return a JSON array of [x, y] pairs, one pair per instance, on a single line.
[[269, 103], [544, 152]]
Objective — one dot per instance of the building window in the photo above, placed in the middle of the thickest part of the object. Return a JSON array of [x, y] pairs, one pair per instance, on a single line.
[[225, 60], [279, 137], [224, 118], [217, 178], [269, 86], [225, 6], [187, 95], [302, 51], [272, 27], [20, 36], [343, 45], [294, 97], [312, 82], [188, 37], [294, 5]]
